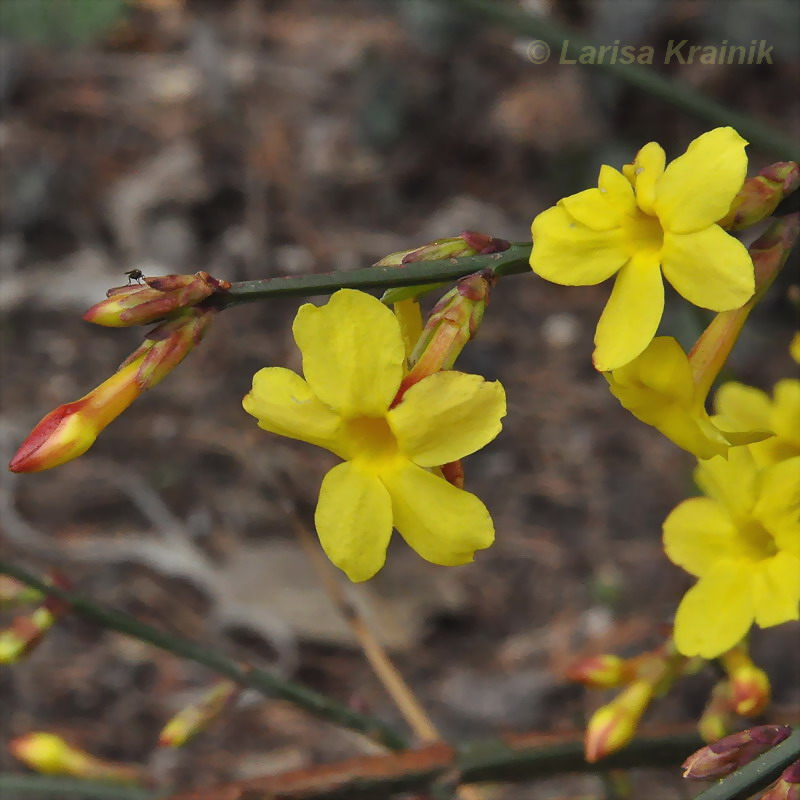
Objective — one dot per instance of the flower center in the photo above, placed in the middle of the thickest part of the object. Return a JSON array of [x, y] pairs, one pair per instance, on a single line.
[[758, 542], [372, 441], [643, 233]]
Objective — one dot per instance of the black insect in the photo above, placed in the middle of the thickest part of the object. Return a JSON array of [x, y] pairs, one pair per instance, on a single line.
[[134, 275]]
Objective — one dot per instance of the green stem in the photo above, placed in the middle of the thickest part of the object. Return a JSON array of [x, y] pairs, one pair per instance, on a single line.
[[758, 774], [647, 78], [509, 262], [47, 787], [264, 682]]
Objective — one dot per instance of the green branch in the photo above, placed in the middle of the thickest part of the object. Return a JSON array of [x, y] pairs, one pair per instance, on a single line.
[[516, 757], [509, 262], [268, 684], [758, 774], [46, 787], [647, 78]]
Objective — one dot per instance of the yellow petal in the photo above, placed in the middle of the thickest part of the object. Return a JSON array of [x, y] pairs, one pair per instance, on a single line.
[[569, 253], [409, 316], [283, 403], [660, 374], [786, 411], [354, 520], [716, 613], [353, 353], [730, 481], [778, 504], [648, 167], [447, 416], [709, 268], [631, 316], [742, 407], [445, 525], [602, 209], [698, 533], [776, 590], [698, 188]]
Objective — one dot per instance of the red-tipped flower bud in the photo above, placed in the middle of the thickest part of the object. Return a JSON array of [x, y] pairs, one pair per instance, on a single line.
[[760, 195], [750, 687], [613, 725], [731, 752], [788, 785], [453, 322], [188, 722], [601, 672], [467, 243], [70, 430], [162, 297]]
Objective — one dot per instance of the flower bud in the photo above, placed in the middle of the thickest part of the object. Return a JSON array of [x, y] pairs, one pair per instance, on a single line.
[[769, 253], [750, 687], [51, 755], [601, 672], [25, 632], [71, 429], [453, 322], [731, 752], [612, 726], [760, 195], [16, 593], [467, 243], [787, 786], [160, 298], [188, 722]]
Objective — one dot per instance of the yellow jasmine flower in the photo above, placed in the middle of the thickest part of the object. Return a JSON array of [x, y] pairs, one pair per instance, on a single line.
[[744, 406], [743, 543], [353, 362], [658, 388], [645, 221]]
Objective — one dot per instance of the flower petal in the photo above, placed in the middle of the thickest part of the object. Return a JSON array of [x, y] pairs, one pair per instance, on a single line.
[[354, 520], [631, 316], [786, 410], [698, 533], [716, 613], [776, 590], [698, 187], [569, 253], [648, 167], [778, 504], [730, 481], [447, 416], [741, 407], [602, 209], [709, 268], [283, 403], [445, 525], [353, 353]]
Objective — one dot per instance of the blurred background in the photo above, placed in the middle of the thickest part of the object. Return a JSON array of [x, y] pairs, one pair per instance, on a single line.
[[262, 138]]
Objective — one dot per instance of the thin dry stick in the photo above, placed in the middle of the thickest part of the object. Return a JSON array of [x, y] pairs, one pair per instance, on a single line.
[[386, 672]]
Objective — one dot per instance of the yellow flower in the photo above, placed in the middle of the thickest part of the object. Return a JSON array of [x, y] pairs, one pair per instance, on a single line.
[[644, 222], [658, 388], [354, 362], [739, 405], [743, 543]]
